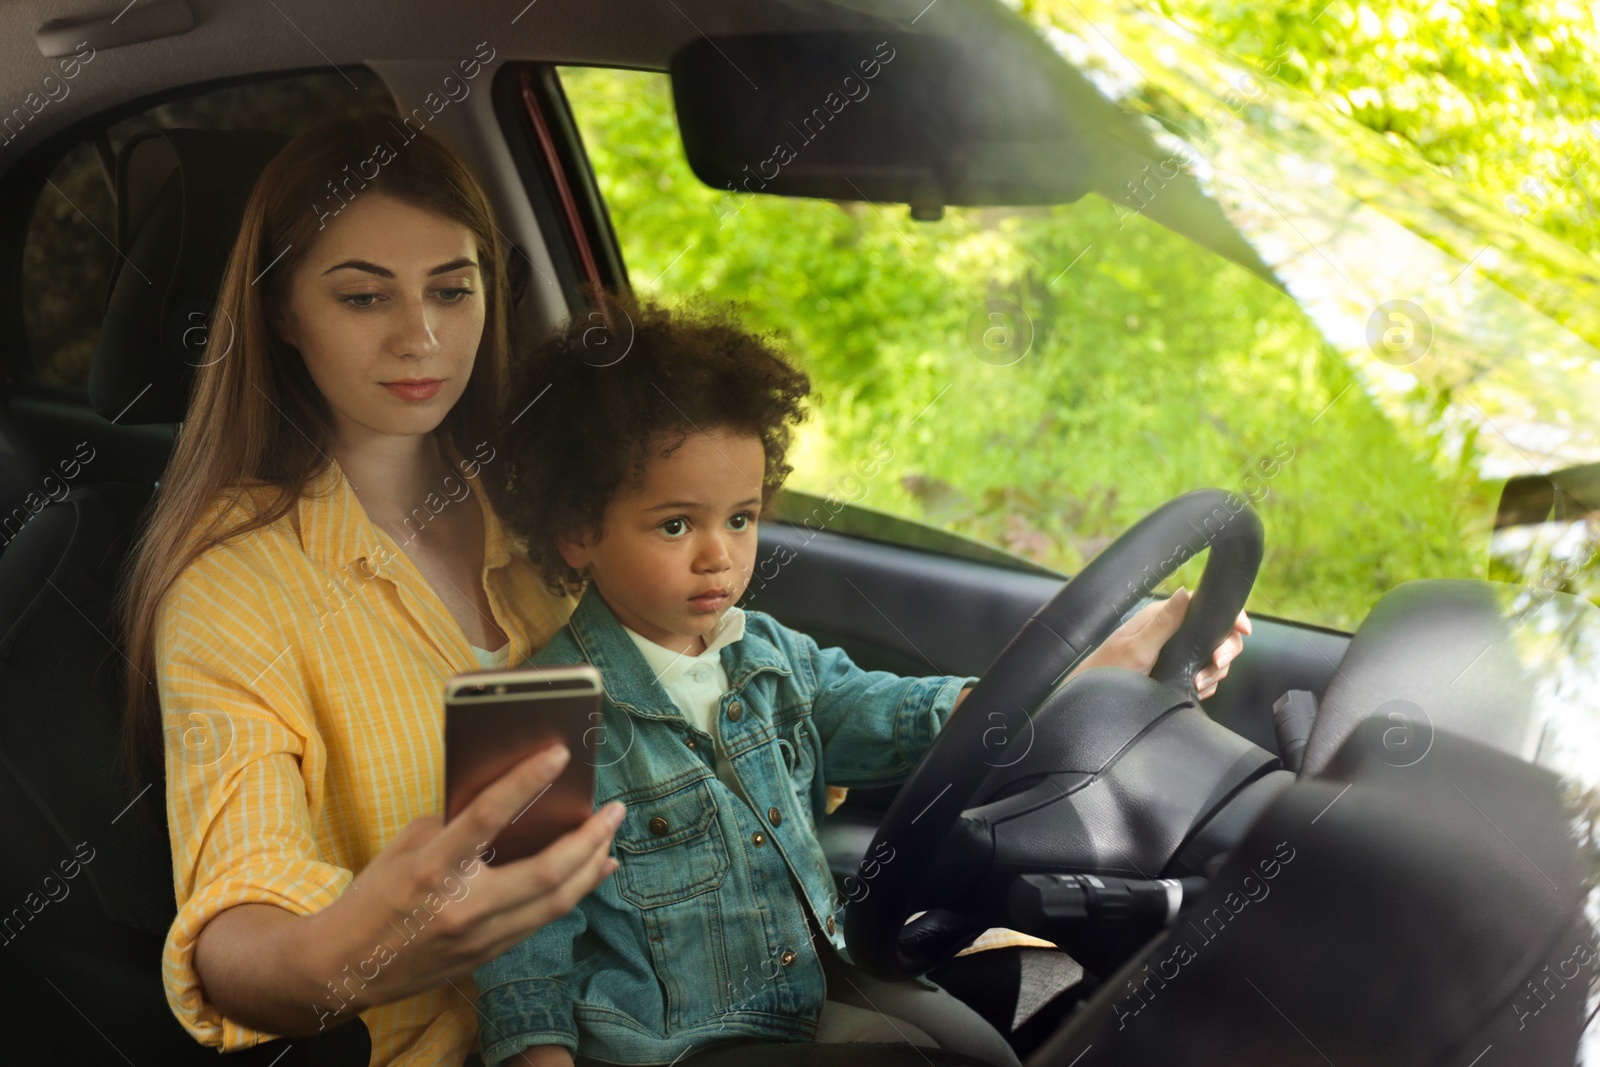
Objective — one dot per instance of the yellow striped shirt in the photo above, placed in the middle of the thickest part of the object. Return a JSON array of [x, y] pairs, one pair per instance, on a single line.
[[301, 681]]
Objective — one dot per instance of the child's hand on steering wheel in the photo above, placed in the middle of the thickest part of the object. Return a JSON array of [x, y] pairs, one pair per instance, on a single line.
[[1136, 643]]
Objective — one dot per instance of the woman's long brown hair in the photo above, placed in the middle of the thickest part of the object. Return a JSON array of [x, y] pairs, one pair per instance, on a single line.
[[255, 418]]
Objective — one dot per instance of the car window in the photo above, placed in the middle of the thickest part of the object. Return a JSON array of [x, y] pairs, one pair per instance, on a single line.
[[69, 249], [1039, 378]]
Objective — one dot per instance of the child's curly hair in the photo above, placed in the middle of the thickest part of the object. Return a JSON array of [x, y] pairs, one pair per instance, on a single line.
[[602, 389]]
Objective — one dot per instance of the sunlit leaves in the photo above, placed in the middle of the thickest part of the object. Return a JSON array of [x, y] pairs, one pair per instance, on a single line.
[[1502, 95]]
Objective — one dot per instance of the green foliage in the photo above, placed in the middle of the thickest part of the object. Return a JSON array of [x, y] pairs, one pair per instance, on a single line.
[[1500, 95], [1044, 377]]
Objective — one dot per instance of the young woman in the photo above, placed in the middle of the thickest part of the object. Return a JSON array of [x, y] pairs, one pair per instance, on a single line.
[[319, 561]]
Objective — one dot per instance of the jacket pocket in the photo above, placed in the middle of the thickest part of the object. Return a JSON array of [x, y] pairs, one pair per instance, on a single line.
[[674, 861], [671, 848]]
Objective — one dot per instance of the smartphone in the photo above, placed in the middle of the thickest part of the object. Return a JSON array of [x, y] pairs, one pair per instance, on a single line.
[[493, 720]]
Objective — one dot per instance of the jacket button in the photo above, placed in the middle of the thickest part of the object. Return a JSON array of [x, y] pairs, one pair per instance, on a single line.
[[775, 817], [786, 958], [758, 839], [735, 712], [829, 925], [658, 826], [689, 741]]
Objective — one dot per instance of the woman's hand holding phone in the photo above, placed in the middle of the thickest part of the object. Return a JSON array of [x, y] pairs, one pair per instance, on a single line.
[[439, 910], [426, 910]]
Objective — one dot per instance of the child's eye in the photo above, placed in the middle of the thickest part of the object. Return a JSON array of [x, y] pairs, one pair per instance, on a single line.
[[742, 521], [674, 527]]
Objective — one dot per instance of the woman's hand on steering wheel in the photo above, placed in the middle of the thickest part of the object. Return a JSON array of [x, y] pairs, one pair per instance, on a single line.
[[1138, 642], [427, 909]]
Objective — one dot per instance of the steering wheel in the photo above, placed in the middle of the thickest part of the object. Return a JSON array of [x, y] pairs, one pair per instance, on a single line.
[[895, 872]]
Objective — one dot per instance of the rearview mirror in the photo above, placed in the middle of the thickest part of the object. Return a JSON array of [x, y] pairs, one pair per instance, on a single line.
[[884, 116]]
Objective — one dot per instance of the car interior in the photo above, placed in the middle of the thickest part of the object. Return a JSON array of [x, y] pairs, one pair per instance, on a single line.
[[1129, 795]]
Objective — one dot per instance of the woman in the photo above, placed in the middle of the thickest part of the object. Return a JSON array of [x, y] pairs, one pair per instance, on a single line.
[[319, 561]]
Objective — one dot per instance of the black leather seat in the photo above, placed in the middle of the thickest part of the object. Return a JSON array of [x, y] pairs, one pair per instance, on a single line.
[[86, 874], [23, 484], [1378, 916]]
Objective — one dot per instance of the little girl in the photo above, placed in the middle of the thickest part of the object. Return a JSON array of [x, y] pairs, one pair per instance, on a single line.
[[637, 474]]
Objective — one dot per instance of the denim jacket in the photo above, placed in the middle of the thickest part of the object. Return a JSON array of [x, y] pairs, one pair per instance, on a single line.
[[701, 934]]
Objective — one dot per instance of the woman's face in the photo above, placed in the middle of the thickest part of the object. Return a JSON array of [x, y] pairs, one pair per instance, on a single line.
[[387, 310]]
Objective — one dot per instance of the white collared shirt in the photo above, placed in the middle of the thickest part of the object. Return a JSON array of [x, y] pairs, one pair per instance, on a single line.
[[498, 660], [696, 683]]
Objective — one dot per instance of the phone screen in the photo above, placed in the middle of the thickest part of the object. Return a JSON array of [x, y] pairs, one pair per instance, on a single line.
[[493, 720]]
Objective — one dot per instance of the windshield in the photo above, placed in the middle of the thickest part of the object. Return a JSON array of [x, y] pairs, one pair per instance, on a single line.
[[1039, 378], [1464, 325]]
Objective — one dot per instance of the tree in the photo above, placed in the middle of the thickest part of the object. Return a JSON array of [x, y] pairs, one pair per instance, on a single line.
[[1503, 96]]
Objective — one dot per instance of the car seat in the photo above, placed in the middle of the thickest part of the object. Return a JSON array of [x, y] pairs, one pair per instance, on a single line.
[[22, 481], [1376, 916], [81, 980]]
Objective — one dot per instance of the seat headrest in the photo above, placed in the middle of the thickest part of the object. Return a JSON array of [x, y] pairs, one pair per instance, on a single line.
[[1403, 665], [181, 196]]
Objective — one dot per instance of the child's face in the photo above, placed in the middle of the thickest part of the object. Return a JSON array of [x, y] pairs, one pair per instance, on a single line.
[[677, 551]]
